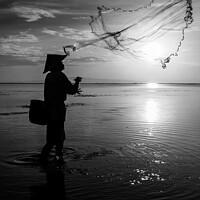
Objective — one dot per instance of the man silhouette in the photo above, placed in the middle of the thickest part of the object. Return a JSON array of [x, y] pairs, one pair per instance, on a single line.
[[56, 88]]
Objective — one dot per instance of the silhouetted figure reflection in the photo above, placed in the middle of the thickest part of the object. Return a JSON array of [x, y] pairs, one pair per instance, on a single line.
[[54, 187], [56, 88], [55, 184]]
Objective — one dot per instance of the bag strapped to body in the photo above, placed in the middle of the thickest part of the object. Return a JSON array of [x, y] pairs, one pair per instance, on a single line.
[[38, 112]]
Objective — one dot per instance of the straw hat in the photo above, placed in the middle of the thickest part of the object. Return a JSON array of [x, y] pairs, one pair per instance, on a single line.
[[52, 60]]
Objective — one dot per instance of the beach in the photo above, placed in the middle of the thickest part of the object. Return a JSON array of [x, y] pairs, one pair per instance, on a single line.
[[123, 141]]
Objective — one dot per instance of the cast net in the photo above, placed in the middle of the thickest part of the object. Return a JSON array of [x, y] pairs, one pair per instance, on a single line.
[[154, 32]]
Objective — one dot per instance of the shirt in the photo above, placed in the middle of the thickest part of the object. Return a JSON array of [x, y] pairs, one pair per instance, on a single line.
[[56, 88]]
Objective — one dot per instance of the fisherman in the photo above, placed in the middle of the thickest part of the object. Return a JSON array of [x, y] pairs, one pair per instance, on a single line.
[[56, 88]]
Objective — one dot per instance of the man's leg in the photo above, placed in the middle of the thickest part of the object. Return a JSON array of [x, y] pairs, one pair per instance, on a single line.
[[60, 141], [46, 151], [59, 148], [59, 152]]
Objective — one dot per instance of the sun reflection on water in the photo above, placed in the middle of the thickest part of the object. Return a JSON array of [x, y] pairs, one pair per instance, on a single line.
[[152, 85], [151, 109]]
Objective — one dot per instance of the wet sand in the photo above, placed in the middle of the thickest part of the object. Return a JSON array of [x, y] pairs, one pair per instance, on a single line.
[[123, 141]]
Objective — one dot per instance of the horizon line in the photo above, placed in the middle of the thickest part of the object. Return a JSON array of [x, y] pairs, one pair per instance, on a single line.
[[189, 83]]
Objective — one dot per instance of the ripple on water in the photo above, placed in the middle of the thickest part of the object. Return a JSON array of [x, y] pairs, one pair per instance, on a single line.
[[152, 169], [72, 157], [161, 169], [29, 158]]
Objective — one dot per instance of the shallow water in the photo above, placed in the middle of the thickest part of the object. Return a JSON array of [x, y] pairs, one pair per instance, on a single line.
[[123, 141]]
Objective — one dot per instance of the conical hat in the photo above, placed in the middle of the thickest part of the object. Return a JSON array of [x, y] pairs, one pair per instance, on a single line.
[[52, 60]]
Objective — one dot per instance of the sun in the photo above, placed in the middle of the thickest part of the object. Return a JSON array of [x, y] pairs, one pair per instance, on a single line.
[[152, 51]]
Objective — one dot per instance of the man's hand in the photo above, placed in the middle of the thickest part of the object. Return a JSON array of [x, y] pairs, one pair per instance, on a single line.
[[67, 53], [78, 91], [78, 79]]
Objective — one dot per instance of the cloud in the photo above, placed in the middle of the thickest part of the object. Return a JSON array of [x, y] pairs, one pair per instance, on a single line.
[[70, 30], [81, 18], [62, 33], [22, 37], [10, 60], [13, 45], [32, 14], [89, 59], [50, 32], [29, 53], [69, 33]]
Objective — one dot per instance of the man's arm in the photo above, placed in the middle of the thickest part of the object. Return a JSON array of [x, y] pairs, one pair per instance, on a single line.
[[69, 87]]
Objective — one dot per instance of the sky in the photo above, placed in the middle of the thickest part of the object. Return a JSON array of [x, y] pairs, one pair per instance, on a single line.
[[31, 29]]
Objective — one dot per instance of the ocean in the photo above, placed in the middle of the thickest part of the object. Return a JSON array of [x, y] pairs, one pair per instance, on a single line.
[[123, 141]]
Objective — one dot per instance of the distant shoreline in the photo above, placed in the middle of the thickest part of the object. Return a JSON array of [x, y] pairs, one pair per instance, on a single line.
[[106, 83]]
